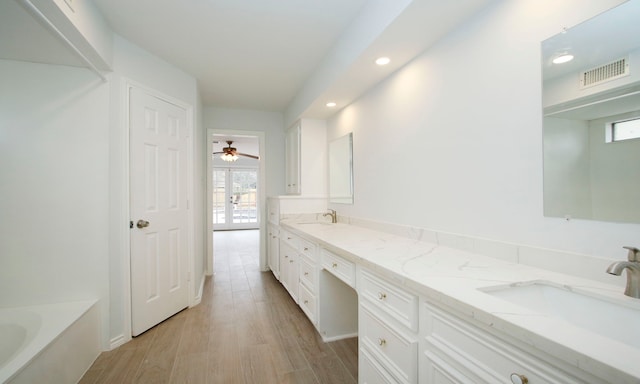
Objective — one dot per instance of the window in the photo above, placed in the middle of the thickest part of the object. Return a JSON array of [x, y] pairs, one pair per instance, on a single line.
[[625, 130]]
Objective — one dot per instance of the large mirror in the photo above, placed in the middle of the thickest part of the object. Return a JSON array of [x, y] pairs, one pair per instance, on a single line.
[[341, 170], [591, 114]]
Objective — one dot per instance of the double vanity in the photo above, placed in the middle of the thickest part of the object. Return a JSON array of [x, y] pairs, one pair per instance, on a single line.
[[427, 313]]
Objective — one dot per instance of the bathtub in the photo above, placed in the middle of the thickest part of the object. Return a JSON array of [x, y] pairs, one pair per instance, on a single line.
[[51, 343]]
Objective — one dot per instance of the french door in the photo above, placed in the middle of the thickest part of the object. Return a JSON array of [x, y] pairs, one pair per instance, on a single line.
[[235, 198]]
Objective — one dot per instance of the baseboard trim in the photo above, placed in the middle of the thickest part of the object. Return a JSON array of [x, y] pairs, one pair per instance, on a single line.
[[118, 341]]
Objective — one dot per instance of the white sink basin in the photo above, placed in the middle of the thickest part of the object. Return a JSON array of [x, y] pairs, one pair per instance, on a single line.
[[607, 317]]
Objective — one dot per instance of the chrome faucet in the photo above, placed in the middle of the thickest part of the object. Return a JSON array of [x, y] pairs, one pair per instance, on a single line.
[[332, 213], [633, 271]]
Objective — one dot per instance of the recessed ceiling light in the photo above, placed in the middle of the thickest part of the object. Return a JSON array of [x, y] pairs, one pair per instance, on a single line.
[[383, 60], [331, 104], [562, 58]]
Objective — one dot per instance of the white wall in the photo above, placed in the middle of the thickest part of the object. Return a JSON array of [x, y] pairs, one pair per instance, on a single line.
[[453, 141], [271, 123], [54, 160]]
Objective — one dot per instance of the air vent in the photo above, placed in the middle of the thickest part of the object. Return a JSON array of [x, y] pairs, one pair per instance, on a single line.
[[604, 73]]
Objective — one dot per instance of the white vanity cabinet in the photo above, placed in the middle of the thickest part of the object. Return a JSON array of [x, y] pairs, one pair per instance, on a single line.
[[308, 279], [388, 330], [273, 235], [273, 249], [289, 263], [458, 350], [299, 272]]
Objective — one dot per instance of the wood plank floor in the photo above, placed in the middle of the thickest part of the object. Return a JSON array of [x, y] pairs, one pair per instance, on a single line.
[[246, 330]]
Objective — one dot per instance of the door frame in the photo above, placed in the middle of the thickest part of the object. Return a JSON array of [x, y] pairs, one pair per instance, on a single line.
[[262, 197], [126, 191]]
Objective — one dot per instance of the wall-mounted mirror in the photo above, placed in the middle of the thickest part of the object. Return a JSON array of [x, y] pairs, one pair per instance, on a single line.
[[591, 115], [341, 170]]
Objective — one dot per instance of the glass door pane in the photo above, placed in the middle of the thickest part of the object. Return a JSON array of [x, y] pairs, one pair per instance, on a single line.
[[244, 199], [219, 197]]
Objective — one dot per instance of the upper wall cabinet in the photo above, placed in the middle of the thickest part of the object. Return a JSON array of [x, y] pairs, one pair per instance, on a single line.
[[306, 158], [62, 32], [292, 159]]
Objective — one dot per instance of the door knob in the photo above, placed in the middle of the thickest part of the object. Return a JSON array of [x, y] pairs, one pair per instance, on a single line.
[[142, 224]]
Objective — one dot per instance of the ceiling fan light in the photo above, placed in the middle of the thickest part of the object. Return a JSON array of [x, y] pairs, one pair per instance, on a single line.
[[228, 157]]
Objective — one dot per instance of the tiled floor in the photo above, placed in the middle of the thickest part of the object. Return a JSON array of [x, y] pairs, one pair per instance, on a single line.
[[246, 330]]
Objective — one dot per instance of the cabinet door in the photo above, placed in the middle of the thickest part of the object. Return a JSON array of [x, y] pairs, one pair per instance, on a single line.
[[289, 269], [292, 160], [273, 247]]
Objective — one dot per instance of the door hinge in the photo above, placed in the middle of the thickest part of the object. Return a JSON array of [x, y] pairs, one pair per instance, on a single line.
[[130, 224]]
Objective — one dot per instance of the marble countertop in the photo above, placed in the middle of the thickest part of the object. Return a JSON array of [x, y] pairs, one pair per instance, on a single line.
[[456, 279]]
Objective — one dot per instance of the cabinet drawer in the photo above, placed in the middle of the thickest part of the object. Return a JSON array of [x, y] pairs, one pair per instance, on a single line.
[[394, 301], [464, 351], [341, 268], [370, 371], [308, 274], [307, 248], [307, 301], [289, 238], [396, 350]]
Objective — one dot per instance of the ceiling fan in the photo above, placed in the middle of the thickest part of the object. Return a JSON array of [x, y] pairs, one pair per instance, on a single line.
[[230, 154]]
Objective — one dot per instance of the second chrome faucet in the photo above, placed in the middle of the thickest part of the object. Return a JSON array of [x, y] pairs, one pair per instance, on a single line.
[[332, 213], [632, 265]]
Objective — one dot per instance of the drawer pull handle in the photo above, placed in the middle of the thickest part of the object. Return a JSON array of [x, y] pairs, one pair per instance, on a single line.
[[288, 238], [291, 261], [519, 379], [334, 265], [382, 342], [306, 301], [286, 256], [306, 273], [382, 296], [306, 249]]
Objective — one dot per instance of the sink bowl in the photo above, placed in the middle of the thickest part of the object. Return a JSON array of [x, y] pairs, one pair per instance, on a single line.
[[607, 317], [314, 222]]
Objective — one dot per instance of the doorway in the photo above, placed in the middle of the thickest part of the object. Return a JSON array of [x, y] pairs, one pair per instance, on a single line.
[[244, 208]]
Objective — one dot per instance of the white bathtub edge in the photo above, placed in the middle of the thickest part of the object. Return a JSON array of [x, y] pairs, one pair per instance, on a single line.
[[67, 355]]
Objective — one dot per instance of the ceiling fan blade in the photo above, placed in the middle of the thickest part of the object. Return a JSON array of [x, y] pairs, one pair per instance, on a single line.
[[218, 153], [247, 155]]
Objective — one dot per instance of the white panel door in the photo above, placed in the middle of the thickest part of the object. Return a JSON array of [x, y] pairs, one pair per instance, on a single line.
[[158, 149]]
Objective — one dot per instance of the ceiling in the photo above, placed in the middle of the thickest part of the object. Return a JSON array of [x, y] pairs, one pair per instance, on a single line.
[[251, 54], [288, 56], [263, 54]]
